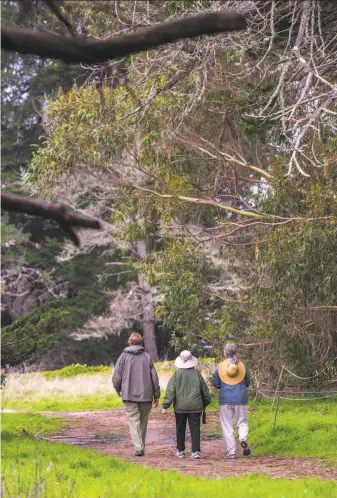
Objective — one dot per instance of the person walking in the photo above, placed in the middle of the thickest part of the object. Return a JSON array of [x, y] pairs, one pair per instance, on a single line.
[[232, 378], [189, 394], [136, 380]]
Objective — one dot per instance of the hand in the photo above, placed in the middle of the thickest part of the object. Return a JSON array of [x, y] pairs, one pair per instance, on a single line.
[[155, 403], [164, 411]]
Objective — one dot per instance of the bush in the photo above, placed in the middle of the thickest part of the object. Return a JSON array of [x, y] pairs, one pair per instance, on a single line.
[[73, 370], [28, 337]]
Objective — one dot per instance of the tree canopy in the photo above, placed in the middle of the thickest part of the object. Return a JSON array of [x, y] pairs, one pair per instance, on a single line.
[[211, 165]]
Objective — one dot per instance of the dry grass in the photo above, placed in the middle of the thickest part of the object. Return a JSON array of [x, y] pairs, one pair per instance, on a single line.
[[34, 392], [35, 385]]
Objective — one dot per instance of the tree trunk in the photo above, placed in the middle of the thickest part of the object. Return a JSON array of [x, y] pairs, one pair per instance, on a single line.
[[148, 309]]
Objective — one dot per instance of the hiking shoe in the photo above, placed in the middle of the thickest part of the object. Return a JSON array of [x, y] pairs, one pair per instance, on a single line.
[[195, 455], [180, 454], [244, 446], [230, 456], [140, 453]]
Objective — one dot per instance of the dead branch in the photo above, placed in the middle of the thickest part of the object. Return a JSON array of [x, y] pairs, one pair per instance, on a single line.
[[57, 212], [319, 308], [43, 44]]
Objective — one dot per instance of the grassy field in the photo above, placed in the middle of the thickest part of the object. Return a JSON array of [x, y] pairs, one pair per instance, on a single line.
[[76, 387], [36, 392], [304, 428], [38, 468]]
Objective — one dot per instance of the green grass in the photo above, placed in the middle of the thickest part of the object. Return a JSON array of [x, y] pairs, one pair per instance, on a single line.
[[61, 402], [12, 424], [303, 428], [33, 467]]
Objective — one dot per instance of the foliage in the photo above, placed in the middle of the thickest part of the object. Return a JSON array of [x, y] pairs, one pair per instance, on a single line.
[[73, 370], [86, 298], [10, 234], [66, 470], [31, 335], [3, 380], [178, 274], [197, 135], [297, 273]]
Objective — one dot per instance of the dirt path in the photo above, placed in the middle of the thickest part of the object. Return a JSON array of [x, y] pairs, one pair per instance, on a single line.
[[107, 432]]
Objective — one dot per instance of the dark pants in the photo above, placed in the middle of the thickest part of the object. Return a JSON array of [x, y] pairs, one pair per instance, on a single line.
[[194, 423]]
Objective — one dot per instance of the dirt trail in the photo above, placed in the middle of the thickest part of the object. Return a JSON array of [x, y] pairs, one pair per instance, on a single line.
[[107, 432]]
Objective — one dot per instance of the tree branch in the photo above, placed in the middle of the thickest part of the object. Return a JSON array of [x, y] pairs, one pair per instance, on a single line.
[[20, 340], [195, 200], [250, 214], [75, 50], [56, 212], [319, 308], [57, 12]]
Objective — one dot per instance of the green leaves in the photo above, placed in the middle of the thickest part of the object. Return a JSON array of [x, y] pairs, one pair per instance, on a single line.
[[31, 335], [179, 275]]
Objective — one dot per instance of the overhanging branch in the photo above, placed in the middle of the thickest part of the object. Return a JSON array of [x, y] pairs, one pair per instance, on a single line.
[[75, 50], [249, 214], [57, 212]]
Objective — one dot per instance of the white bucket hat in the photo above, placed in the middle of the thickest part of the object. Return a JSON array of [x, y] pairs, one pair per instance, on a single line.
[[186, 360]]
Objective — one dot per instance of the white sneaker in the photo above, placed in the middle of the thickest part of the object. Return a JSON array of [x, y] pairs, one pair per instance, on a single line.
[[180, 454], [230, 456], [195, 455]]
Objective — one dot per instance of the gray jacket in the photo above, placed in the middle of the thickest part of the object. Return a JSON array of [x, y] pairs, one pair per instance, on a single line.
[[135, 376]]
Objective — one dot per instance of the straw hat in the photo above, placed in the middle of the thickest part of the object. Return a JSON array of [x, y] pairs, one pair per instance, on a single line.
[[232, 373], [186, 360]]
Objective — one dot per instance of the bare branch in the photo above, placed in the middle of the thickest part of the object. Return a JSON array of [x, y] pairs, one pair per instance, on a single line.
[[56, 212], [57, 12], [43, 44]]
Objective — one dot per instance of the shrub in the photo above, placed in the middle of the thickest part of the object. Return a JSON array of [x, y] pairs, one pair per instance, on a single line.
[[73, 370]]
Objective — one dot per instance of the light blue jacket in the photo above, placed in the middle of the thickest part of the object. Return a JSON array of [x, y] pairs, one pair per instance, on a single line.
[[232, 395]]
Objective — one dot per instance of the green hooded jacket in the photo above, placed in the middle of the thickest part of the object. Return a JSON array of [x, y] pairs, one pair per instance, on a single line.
[[188, 392]]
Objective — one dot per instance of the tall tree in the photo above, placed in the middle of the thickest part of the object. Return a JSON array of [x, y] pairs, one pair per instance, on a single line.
[[193, 139]]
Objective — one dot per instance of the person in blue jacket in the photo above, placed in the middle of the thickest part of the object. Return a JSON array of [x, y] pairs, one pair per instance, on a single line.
[[232, 378]]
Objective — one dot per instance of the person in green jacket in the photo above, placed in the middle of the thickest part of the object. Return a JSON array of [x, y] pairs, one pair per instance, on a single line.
[[189, 394]]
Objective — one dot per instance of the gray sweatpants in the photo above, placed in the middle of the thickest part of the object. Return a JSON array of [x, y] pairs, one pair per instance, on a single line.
[[138, 416], [240, 415]]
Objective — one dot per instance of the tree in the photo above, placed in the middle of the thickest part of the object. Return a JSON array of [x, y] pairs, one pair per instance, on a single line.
[[47, 45], [30, 336], [179, 152]]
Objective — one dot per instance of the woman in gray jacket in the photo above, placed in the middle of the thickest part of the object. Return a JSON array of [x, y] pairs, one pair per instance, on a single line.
[[136, 380]]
